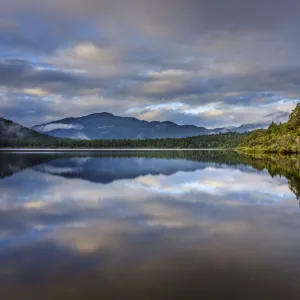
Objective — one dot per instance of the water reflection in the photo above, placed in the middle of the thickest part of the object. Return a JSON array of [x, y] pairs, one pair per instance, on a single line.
[[149, 225]]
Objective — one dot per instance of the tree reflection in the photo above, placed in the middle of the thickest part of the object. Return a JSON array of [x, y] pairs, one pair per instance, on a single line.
[[276, 164], [280, 165]]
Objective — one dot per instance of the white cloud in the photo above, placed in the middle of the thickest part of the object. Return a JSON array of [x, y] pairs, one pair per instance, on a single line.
[[81, 136], [89, 58], [53, 126], [36, 92]]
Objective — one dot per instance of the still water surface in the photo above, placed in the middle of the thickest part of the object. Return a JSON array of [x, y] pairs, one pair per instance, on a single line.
[[155, 225]]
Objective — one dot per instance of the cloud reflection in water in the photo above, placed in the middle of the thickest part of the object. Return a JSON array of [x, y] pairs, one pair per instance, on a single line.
[[169, 227]]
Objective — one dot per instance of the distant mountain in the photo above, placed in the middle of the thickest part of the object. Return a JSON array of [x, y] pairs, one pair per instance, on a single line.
[[15, 131], [249, 127], [108, 126]]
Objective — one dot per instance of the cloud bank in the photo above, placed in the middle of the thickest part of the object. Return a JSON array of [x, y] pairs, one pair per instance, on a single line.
[[209, 62]]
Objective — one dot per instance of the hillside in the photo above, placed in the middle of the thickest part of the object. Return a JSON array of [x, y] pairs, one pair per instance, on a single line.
[[225, 140], [12, 131], [106, 126], [284, 138], [13, 135]]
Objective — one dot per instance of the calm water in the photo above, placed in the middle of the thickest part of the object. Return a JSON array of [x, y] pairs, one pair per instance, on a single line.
[[155, 225]]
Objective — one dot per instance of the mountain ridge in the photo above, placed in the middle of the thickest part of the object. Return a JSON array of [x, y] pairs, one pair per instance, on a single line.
[[13, 135], [12, 130], [106, 125]]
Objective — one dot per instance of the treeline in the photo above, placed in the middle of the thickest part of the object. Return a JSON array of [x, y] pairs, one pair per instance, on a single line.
[[276, 164], [283, 137], [225, 140]]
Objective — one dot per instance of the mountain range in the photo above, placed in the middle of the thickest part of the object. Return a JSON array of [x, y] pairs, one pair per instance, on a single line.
[[108, 126]]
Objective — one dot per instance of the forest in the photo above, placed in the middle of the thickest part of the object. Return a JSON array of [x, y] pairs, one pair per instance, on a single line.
[[219, 141]]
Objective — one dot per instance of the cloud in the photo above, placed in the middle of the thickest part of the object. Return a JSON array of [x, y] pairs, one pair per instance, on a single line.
[[88, 57], [35, 92], [54, 126], [195, 14], [117, 55], [22, 74]]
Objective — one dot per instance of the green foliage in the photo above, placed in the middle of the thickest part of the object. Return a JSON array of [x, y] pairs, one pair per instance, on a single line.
[[223, 141], [283, 138]]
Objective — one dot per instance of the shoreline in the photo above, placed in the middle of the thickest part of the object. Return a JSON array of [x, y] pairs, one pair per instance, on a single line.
[[108, 149]]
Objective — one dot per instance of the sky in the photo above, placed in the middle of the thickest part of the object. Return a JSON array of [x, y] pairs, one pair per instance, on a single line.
[[211, 63]]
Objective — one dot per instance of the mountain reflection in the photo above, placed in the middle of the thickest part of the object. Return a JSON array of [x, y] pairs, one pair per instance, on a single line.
[[149, 225], [12, 162], [106, 167], [106, 170]]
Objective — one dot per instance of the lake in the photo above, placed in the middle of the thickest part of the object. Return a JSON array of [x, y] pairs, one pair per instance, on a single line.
[[149, 225]]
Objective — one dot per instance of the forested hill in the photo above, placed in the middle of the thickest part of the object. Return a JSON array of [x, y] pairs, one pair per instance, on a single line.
[[224, 141], [284, 138], [10, 131]]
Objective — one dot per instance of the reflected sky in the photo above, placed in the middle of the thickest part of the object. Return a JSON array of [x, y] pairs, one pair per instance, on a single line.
[[140, 225]]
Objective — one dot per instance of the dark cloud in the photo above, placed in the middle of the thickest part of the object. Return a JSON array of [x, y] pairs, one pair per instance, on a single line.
[[22, 74], [16, 43], [197, 14], [130, 54]]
